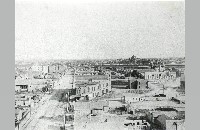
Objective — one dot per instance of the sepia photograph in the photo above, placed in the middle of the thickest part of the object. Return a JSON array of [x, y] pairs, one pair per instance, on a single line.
[[99, 65]]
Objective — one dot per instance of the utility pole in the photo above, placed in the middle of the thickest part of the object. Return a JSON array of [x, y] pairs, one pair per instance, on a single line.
[[64, 122], [30, 110], [163, 88], [18, 125]]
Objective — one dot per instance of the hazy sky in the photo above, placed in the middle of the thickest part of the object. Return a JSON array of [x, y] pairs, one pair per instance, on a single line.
[[52, 30]]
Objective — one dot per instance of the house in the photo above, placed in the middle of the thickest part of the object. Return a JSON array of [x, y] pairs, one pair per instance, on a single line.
[[139, 84], [182, 82], [160, 120], [40, 68], [175, 124], [18, 114], [136, 125], [96, 111], [153, 76], [22, 100], [56, 68], [31, 85], [68, 119], [135, 98], [22, 85]]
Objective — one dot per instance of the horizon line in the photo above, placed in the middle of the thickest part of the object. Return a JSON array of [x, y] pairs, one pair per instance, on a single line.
[[97, 58]]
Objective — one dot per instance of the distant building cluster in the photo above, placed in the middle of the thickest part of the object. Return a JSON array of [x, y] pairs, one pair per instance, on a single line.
[[149, 93]]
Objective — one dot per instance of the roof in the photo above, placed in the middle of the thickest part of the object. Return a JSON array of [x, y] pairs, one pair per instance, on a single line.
[[164, 116], [145, 70], [93, 77], [84, 84], [22, 82], [31, 81], [173, 63]]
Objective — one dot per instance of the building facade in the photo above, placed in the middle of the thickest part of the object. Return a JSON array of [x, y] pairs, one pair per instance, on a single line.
[[152, 76]]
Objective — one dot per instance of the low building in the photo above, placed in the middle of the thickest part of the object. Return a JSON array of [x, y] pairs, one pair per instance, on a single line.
[[135, 98], [130, 83], [56, 68], [40, 68], [120, 83], [136, 125], [22, 100], [160, 120], [175, 124], [32, 85], [22, 85], [153, 76], [182, 82], [139, 84], [18, 114]]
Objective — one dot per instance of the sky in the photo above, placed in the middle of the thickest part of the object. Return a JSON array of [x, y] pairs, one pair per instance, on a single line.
[[60, 29]]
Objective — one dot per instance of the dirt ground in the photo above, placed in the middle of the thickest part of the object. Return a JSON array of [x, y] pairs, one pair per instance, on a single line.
[[48, 116]]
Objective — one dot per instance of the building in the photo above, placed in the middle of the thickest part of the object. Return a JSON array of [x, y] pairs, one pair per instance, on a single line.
[[103, 80], [56, 68], [136, 125], [40, 68], [153, 76], [160, 120], [130, 83], [175, 65], [139, 84], [31, 85], [135, 98], [182, 82], [120, 83], [175, 124], [22, 85], [22, 100], [91, 89]]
